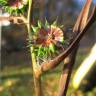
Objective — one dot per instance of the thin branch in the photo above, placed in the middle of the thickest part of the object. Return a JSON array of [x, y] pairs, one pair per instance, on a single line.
[[37, 79], [9, 18], [53, 63], [66, 73], [70, 59], [83, 17], [14, 19], [29, 19]]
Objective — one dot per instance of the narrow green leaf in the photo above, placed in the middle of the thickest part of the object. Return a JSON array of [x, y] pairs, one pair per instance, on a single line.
[[55, 22], [47, 24], [39, 24], [61, 26], [35, 29], [39, 50], [52, 49]]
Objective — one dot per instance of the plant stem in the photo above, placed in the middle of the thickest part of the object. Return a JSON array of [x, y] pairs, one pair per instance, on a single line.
[[66, 73], [45, 66], [29, 19], [37, 80]]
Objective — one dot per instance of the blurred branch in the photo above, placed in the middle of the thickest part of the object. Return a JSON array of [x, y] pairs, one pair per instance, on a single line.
[[14, 19], [88, 63], [66, 73], [70, 59], [83, 17]]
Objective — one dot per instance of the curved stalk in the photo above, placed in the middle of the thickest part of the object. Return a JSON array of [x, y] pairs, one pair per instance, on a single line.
[[45, 66]]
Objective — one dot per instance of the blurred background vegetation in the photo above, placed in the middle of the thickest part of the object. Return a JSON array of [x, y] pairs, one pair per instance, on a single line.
[[16, 72]]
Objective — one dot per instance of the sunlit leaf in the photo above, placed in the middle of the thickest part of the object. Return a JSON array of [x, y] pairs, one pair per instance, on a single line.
[[39, 24], [47, 24], [51, 47], [35, 29]]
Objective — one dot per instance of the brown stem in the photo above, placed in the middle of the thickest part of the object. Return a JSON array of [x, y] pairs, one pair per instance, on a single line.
[[66, 73], [70, 59], [9, 18], [14, 19], [53, 63], [83, 17], [38, 89], [37, 79]]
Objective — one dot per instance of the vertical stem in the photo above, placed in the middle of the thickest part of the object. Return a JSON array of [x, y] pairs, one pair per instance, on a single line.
[[79, 26], [66, 74], [29, 19], [37, 80]]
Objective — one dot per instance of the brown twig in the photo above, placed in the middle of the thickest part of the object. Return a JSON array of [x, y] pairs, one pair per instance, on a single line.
[[37, 79], [53, 63], [66, 73], [70, 59], [9, 18], [83, 17], [14, 19]]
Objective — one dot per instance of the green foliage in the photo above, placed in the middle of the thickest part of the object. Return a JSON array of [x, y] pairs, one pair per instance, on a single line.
[[35, 29], [47, 24], [11, 9], [39, 24], [40, 50], [3, 2]]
